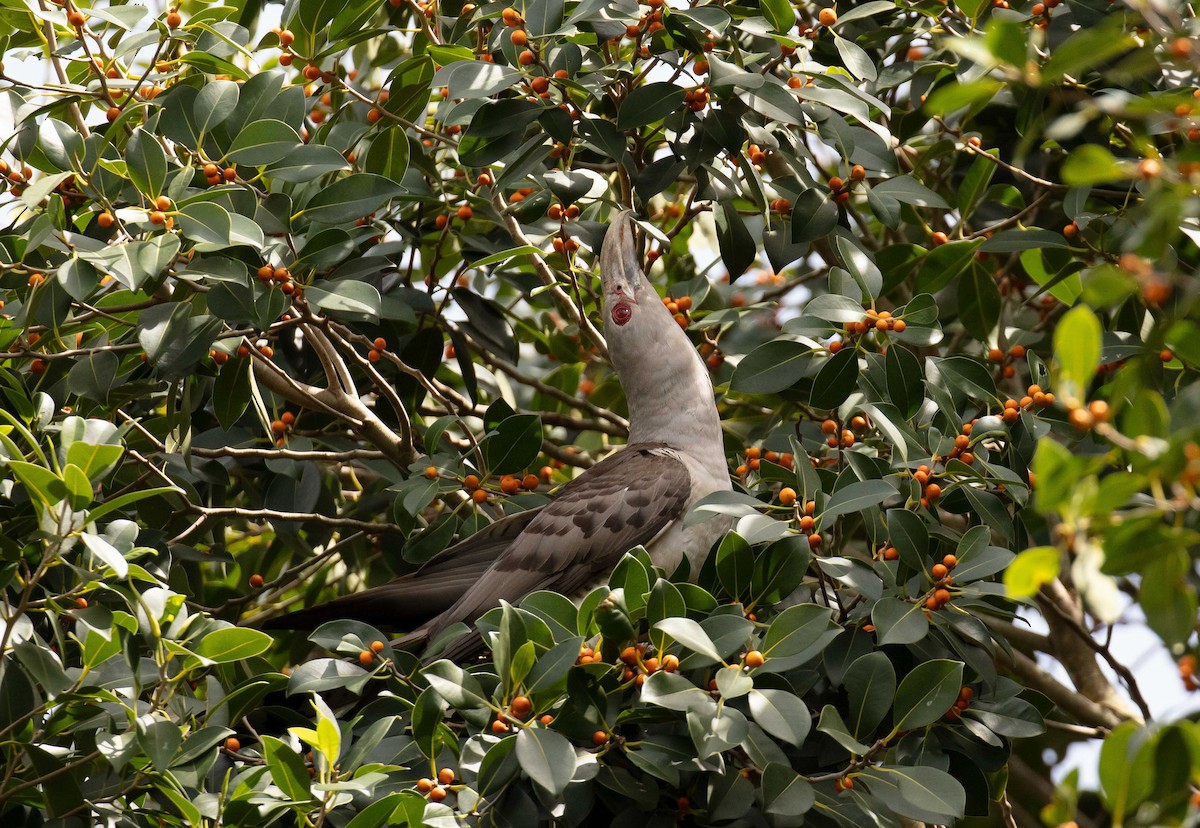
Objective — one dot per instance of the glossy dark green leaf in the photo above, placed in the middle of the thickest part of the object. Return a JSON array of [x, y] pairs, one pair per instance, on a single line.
[[350, 198], [546, 757], [836, 380], [771, 367], [514, 445], [649, 103], [263, 142], [814, 215], [978, 302], [146, 162], [926, 693]]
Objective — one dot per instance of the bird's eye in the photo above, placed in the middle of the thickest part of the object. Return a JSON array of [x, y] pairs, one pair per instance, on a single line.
[[621, 313]]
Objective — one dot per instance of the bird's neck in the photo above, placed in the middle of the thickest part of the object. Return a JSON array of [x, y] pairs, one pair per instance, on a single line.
[[666, 384]]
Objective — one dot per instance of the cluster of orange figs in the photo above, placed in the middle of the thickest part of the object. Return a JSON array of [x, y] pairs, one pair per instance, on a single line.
[[509, 484]]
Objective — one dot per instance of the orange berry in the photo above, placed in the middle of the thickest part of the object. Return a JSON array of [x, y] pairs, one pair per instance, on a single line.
[[933, 491], [527, 58], [445, 776], [519, 37], [939, 571], [256, 581], [312, 72], [754, 659], [431, 472], [106, 220], [530, 482], [939, 238], [942, 596], [232, 744], [836, 184], [479, 495], [521, 706], [425, 785], [827, 17], [891, 554], [499, 727], [437, 794], [471, 482], [1166, 355], [76, 20], [858, 172], [378, 646], [373, 355], [441, 221], [814, 541], [950, 561], [157, 217], [599, 738], [829, 427], [278, 427], [787, 496], [112, 114], [465, 212], [366, 658]]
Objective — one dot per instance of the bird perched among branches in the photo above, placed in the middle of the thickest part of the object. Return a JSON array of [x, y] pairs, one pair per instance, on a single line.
[[637, 496]]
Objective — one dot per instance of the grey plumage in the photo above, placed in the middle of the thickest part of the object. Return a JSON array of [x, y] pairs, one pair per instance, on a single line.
[[637, 496]]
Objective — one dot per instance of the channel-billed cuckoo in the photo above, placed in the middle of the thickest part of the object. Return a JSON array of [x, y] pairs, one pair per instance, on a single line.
[[638, 495]]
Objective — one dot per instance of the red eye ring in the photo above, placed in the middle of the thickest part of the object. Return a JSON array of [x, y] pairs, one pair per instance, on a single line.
[[621, 313]]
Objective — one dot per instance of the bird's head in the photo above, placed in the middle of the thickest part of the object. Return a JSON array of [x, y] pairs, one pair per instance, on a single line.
[[627, 294]]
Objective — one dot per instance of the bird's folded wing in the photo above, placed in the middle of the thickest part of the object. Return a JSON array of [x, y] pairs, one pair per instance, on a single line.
[[626, 500], [411, 600]]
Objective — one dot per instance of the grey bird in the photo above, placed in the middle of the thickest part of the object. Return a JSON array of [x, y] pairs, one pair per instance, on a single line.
[[637, 496]]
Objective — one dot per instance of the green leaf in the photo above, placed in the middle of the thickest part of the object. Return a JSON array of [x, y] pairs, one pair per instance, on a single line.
[[350, 198], [215, 103], [831, 725], [870, 684], [738, 249], [263, 142], [1077, 346], [899, 622], [781, 714], [735, 564], [287, 769], [836, 380], [388, 153], [927, 693], [351, 299], [910, 536], [306, 163], [771, 367], [460, 689], [232, 644], [864, 271], [513, 445], [854, 498], [649, 103], [963, 376], [547, 758], [905, 385], [146, 163], [814, 215], [908, 190], [978, 302], [785, 793], [1030, 570], [691, 635], [1168, 598], [795, 636], [207, 223], [780, 14]]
